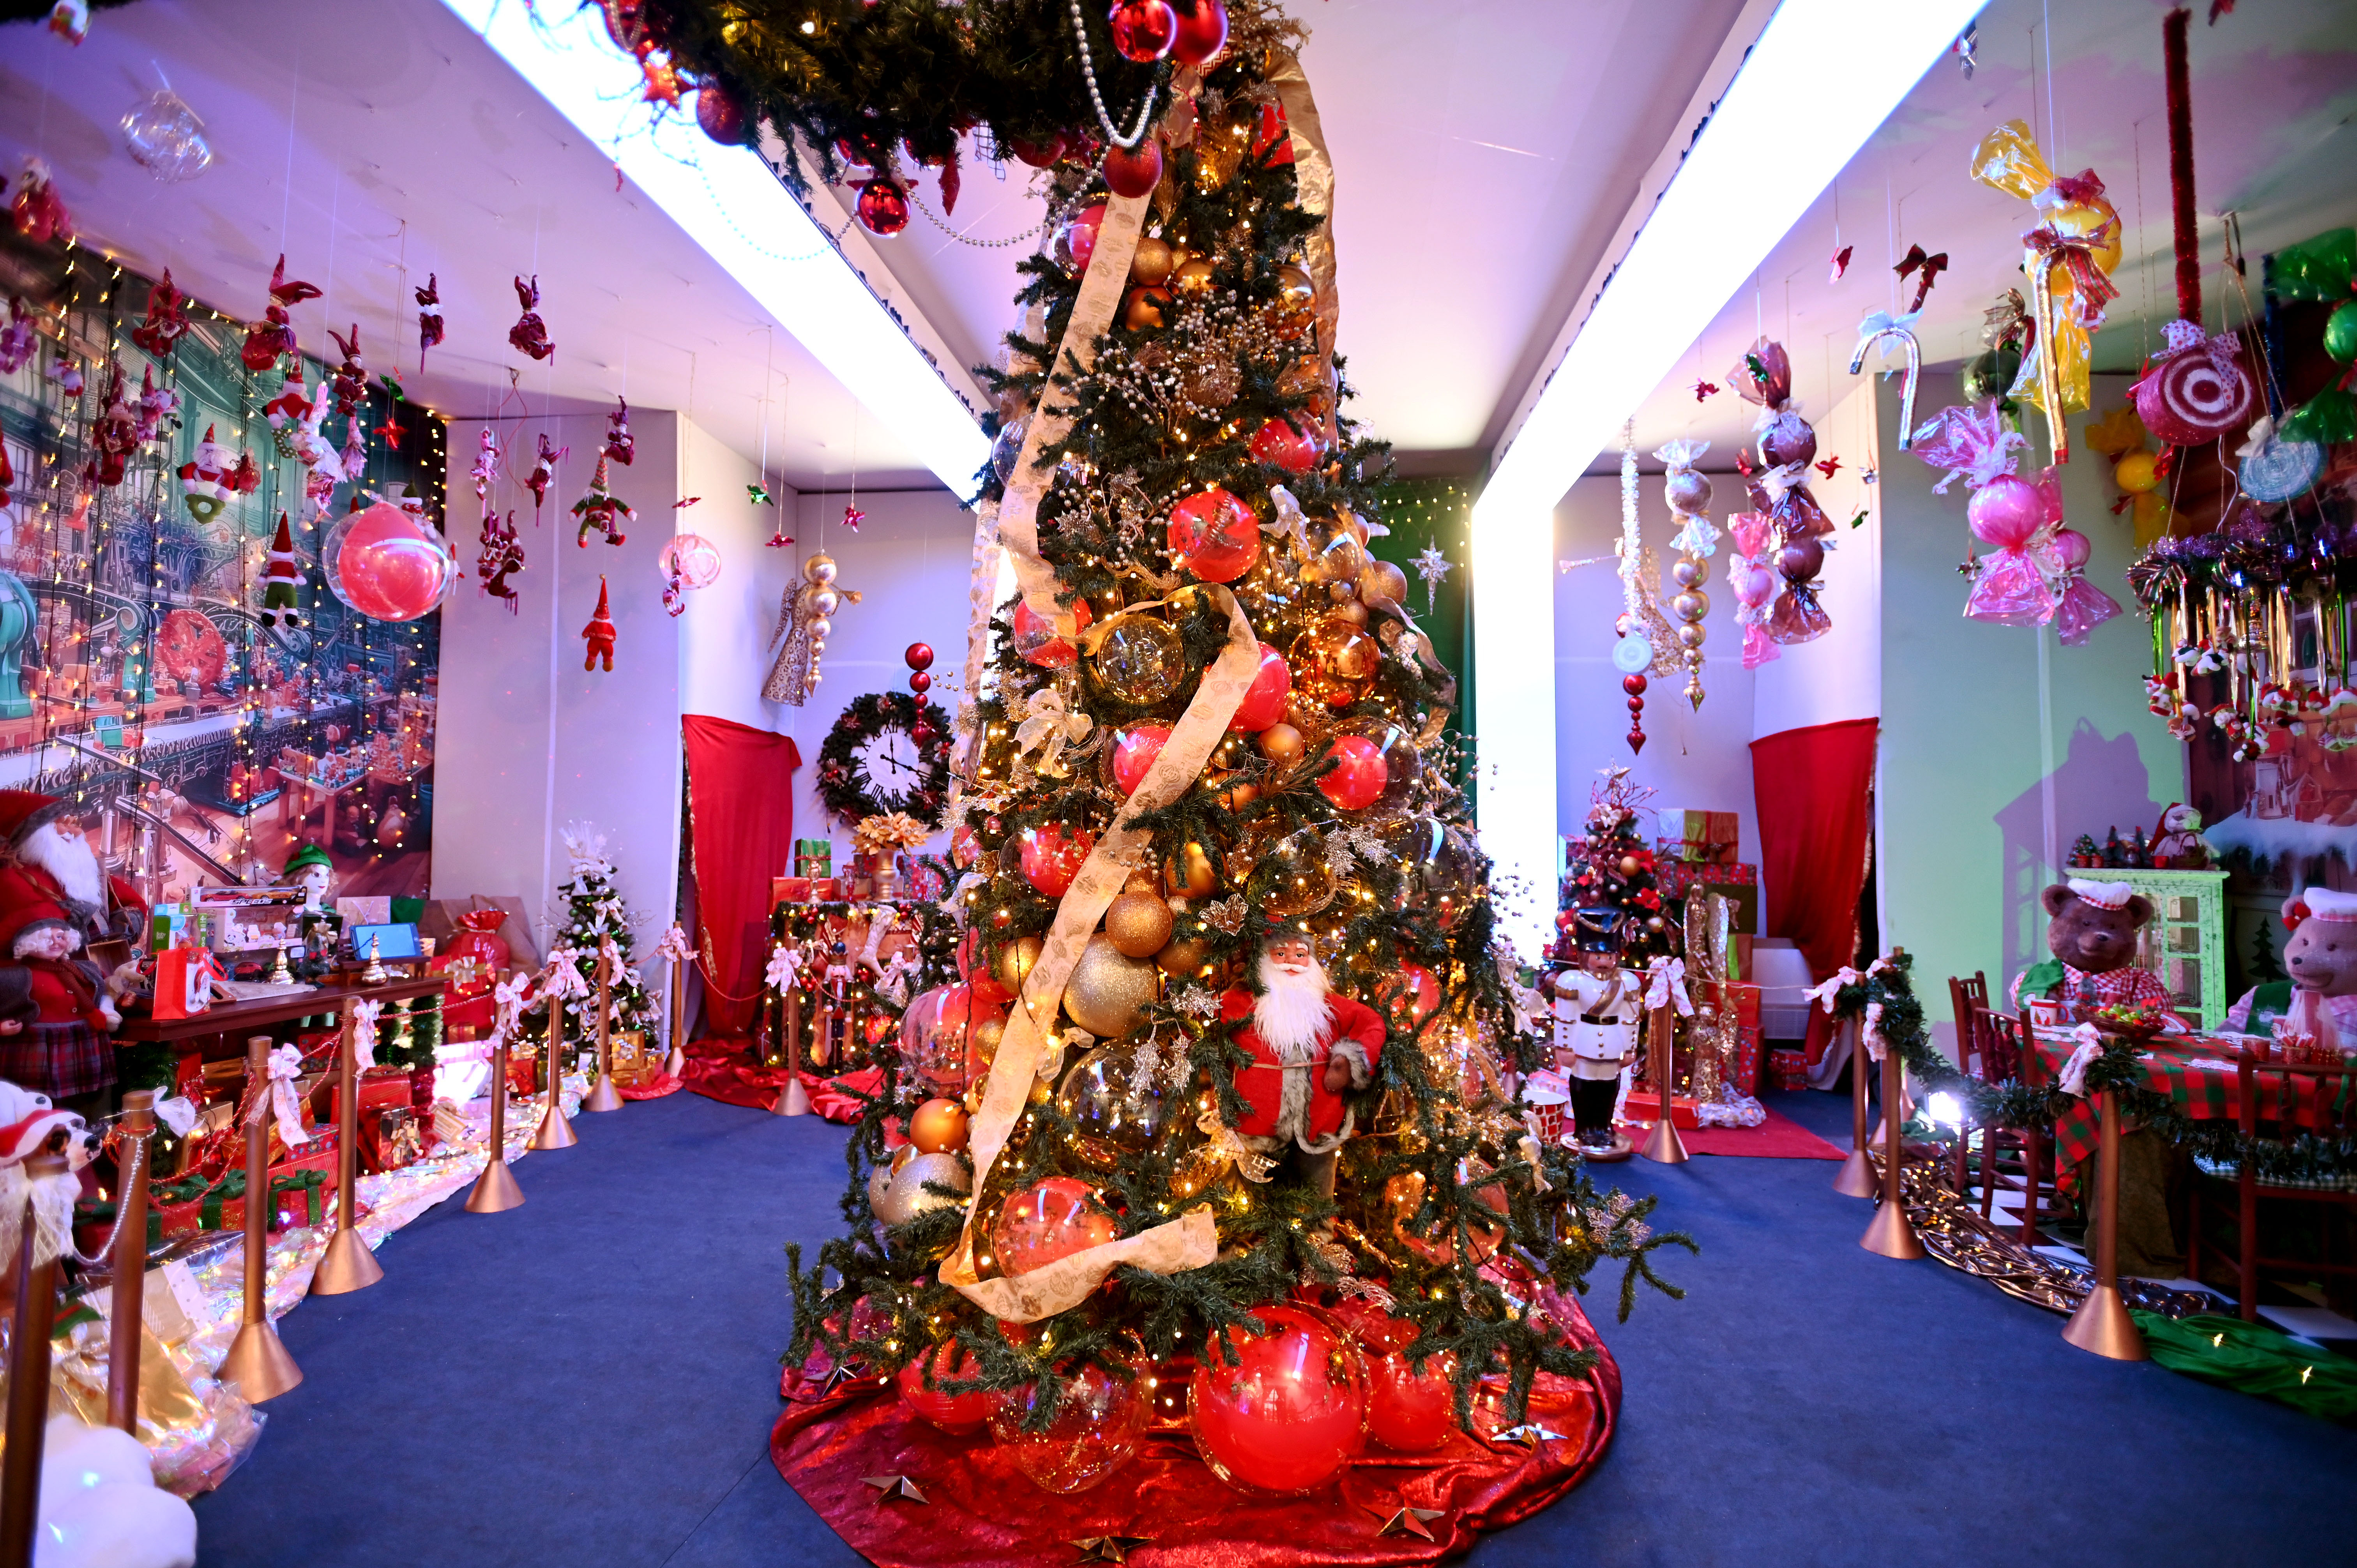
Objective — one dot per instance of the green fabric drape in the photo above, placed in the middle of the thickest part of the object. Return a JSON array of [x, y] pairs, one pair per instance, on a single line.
[[2254, 1359]]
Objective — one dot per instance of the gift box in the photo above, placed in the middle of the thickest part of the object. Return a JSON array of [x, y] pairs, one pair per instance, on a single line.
[[1788, 1069], [814, 857], [789, 891], [1737, 882], [1710, 837]]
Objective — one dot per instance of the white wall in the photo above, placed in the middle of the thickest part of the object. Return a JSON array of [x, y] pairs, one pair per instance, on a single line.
[[723, 632]]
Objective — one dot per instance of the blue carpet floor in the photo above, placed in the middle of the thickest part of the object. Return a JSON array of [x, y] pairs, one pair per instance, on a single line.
[[589, 1380]]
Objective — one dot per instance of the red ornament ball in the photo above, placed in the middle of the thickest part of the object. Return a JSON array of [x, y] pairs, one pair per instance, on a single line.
[[1408, 1412], [1409, 993], [1142, 30], [1036, 638], [721, 114], [1050, 1219], [1277, 443], [1051, 854], [883, 207], [918, 656], [1202, 32], [1263, 702], [1078, 238], [1134, 752], [1134, 171], [1291, 1414], [957, 1414], [1633, 685], [1039, 155], [388, 563], [919, 682], [1357, 778], [1214, 535]]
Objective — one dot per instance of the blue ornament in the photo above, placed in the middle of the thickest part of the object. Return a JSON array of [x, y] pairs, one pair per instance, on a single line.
[[2279, 469]]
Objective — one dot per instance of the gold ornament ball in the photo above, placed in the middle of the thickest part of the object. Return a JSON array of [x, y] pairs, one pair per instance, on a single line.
[[1152, 260], [820, 569], [1335, 662], [1189, 873], [1215, 385], [984, 1037], [1354, 612], [1015, 962], [1143, 311], [1108, 993], [1232, 792], [1690, 572], [1655, 924], [972, 1099], [907, 1199], [1628, 865], [826, 601], [1041, 1093], [1381, 580], [1139, 659], [1691, 606], [1138, 924], [1184, 957], [1283, 744], [1692, 635], [1193, 277], [938, 1127]]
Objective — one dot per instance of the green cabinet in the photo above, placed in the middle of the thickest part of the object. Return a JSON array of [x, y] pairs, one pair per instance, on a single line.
[[2185, 944]]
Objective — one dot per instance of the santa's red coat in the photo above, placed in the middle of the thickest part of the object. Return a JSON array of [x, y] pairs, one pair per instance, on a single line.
[[27, 894], [1263, 1083]]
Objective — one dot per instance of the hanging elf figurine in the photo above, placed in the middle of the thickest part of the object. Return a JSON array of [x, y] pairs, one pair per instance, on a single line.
[[502, 557], [543, 474], [351, 376], [599, 633], [601, 509], [207, 479], [620, 444], [280, 577], [167, 318], [429, 319]]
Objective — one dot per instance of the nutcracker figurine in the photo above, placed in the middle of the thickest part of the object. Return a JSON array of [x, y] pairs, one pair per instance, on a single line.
[[1597, 1007]]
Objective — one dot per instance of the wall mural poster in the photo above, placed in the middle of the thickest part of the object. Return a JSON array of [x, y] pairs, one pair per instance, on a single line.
[[149, 667]]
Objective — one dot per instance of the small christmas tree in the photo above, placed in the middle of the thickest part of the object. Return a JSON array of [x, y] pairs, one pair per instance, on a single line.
[[595, 913], [1613, 868], [2264, 967]]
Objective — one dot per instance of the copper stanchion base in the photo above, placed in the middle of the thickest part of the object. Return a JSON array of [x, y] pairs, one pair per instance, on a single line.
[[603, 1095], [258, 1364], [1857, 1178], [1664, 1146], [2101, 1326], [556, 1131], [346, 1266], [495, 1190], [675, 1065], [1891, 1236], [792, 1101]]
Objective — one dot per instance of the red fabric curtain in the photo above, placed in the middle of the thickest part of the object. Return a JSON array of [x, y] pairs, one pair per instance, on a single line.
[[1813, 789], [740, 805]]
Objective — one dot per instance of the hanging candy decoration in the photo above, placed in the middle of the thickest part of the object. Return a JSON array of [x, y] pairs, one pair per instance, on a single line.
[[599, 508], [2273, 468], [501, 558], [530, 334], [429, 318], [1779, 490], [1753, 578], [207, 479], [619, 445], [1881, 327], [2080, 607], [2012, 587], [165, 137], [167, 320], [2193, 391], [599, 633], [1687, 490], [883, 206], [38, 212]]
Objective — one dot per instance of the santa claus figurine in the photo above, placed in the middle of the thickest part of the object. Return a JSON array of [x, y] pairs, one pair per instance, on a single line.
[[1309, 1047], [56, 1008]]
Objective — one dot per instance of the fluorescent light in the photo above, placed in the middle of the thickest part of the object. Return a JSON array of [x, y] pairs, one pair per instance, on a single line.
[[1823, 78], [731, 204]]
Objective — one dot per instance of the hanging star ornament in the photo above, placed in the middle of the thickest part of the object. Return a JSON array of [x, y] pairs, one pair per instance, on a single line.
[[840, 1374], [1406, 1520], [1530, 1436], [390, 430], [1108, 1547], [1828, 467], [1432, 566], [756, 495], [890, 1486], [1840, 263]]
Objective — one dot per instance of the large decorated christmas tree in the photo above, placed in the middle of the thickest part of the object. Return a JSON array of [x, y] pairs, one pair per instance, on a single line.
[[1229, 1082]]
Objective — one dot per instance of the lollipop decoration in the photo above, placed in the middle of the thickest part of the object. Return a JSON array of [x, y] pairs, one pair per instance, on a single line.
[[1688, 492]]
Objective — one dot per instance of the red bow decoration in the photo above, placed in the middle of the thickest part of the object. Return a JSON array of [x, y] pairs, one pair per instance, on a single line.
[[2076, 253], [1840, 263], [1926, 268], [1703, 389], [2083, 186]]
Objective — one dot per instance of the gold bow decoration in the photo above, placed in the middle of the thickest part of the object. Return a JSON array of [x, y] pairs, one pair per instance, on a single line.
[[1048, 726], [889, 831], [1227, 1148]]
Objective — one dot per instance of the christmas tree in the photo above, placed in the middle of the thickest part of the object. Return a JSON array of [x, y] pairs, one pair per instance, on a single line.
[[592, 915], [1614, 868], [1249, 1035]]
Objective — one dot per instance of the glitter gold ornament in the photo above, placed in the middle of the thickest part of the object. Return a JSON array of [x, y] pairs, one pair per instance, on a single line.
[[1185, 957], [1108, 992], [985, 1037], [1334, 661], [1014, 963], [1381, 580], [1138, 924], [906, 1197], [1152, 262]]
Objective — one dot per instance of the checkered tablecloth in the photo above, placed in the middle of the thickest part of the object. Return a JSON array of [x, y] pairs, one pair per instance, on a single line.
[[2202, 1093]]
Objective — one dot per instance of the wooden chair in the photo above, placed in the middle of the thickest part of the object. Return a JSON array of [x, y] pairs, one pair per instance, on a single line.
[[1963, 995], [2336, 1088], [2013, 1159]]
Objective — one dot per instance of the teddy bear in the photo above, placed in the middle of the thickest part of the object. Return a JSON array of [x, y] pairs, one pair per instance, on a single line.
[[2092, 934], [2319, 999]]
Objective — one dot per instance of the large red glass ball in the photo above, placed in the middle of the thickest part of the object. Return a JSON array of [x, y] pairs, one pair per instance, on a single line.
[[1214, 535], [1280, 444], [1263, 702], [1051, 855], [1039, 155], [720, 114], [1202, 32], [918, 656], [1076, 242], [1142, 30], [388, 563], [1410, 1412], [1408, 994], [1134, 171], [1050, 1219], [1098, 1422], [883, 207], [955, 1414], [1291, 1414], [1358, 776], [1036, 638], [1133, 753]]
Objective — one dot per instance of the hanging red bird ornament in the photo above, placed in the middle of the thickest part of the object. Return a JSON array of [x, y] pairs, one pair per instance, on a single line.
[[429, 319], [619, 445], [1925, 268], [530, 334], [351, 376], [167, 320], [599, 633], [543, 473]]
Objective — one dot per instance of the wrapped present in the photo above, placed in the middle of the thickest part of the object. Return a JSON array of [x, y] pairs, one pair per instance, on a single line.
[[1710, 837], [1789, 1068], [814, 857], [393, 1139], [789, 891]]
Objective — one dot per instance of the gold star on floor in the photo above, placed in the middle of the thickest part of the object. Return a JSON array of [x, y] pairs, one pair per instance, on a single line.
[[890, 1486], [1109, 1548], [1406, 1521], [1529, 1435]]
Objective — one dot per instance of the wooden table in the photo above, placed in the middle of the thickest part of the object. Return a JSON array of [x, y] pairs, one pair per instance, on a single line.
[[244, 1018], [2197, 1073]]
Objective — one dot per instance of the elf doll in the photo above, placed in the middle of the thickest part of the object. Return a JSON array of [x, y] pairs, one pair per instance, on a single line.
[[1597, 1006]]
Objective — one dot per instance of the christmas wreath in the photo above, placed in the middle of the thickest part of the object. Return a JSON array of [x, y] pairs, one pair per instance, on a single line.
[[919, 787]]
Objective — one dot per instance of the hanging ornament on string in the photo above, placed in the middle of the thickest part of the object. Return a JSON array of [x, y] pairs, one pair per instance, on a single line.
[[619, 445], [543, 474], [1779, 490], [388, 563], [2322, 269], [1687, 490], [38, 211], [274, 336], [429, 318], [18, 339], [530, 334], [883, 206], [805, 620], [1632, 653], [351, 380], [2080, 607], [70, 19], [207, 479], [1925, 269], [501, 558], [1880, 328], [167, 320], [758, 494], [687, 561], [165, 137], [599, 633], [2012, 585], [599, 508], [281, 577]]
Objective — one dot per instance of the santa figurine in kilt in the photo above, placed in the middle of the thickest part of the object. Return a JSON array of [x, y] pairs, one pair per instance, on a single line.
[[56, 1010], [1310, 1046]]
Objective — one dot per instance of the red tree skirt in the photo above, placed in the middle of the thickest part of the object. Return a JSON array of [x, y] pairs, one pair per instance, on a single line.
[[727, 1070], [655, 1088], [980, 1512]]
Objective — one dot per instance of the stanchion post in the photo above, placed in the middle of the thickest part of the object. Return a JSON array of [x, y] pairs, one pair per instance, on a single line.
[[29, 1379], [1889, 1233], [1663, 1146], [2101, 1325], [495, 1190], [347, 1264], [675, 1065], [603, 1096], [1856, 1177], [257, 1363], [793, 1100], [555, 1131], [127, 1303]]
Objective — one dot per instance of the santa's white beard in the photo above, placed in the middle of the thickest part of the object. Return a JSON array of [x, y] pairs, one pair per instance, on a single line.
[[69, 860], [1293, 1012]]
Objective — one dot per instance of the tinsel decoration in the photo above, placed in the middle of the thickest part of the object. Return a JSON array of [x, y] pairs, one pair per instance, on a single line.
[[1633, 652]]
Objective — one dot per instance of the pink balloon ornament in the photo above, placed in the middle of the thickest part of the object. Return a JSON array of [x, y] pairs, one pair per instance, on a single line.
[[388, 563]]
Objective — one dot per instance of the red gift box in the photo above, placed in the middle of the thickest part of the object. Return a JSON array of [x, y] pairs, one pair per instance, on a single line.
[[1790, 1068], [789, 891]]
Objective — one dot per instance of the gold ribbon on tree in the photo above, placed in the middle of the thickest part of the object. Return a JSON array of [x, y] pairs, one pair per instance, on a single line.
[[1049, 727]]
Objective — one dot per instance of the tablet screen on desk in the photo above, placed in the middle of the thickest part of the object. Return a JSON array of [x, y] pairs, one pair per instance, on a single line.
[[398, 941]]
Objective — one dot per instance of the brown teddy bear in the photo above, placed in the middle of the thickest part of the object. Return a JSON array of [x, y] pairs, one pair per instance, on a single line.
[[2093, 936]]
